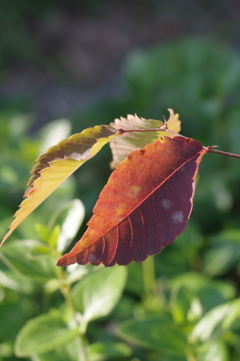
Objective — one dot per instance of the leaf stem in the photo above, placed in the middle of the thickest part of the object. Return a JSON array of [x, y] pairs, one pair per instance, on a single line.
[[152, 300], [65, 290], [149, 278], [227, 154], [191, 357]]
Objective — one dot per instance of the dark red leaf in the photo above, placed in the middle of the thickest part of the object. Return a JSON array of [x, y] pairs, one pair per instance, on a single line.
[[144, 206]]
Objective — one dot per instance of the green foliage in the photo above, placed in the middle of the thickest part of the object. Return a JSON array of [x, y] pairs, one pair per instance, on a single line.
[[182, 304], [42, 334], [157, 333]]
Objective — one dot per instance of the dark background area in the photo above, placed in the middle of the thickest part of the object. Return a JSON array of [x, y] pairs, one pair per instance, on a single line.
[[59, 57]]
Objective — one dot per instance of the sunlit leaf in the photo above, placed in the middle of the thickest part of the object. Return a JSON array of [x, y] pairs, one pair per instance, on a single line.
[[125, 144], [70, 218], [214, 350], [98, 293], [57, 164], [144, 206], [217, 321], [185, 306], [211, 293]]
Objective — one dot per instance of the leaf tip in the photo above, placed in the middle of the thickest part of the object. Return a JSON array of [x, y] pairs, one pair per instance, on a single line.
[[5, 237], [65, 260]]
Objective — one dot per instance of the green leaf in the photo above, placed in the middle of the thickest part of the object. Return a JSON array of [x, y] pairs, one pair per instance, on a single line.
[[210, 293], [158, 333], [67, 352], [217, 321], [17, 256], [101, 351], [223, 254], [43, 231], [13, 316], [57, 164], [215, 350], [54, 236], [97, 294], [42, 334], [70, 218], [185, 306], [15, 282], [6, 349]]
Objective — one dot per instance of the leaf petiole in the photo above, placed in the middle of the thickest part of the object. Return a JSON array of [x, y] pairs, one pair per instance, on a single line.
[[227, 154]]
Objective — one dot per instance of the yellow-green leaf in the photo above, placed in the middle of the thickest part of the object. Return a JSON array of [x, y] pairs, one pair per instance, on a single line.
[[57, 164]]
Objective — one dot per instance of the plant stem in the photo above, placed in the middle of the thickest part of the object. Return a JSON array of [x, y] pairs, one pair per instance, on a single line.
[[149, 279], [211, 150], [191, 357], [65, 290]]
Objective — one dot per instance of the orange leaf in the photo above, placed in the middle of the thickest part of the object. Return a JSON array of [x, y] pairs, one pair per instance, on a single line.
[[144, 206]]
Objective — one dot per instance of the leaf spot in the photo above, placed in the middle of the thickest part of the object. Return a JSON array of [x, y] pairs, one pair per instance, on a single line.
[[166, 203], [184, 168], [93, 257], [177, 217], [133, 192]]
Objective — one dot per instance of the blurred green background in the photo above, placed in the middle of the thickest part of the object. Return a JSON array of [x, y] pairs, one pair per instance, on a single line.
[[68, 65]]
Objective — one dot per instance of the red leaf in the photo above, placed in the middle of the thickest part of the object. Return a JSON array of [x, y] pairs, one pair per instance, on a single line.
[[144, 206]]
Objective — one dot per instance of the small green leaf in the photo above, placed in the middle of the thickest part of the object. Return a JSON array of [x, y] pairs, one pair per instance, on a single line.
[[101, 351], [39, 251], [158, 333], [185, 305], [69, 218], [217, 321], [99, 292], [17, 256], [43, 231], [53, 238], [42, 334]]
